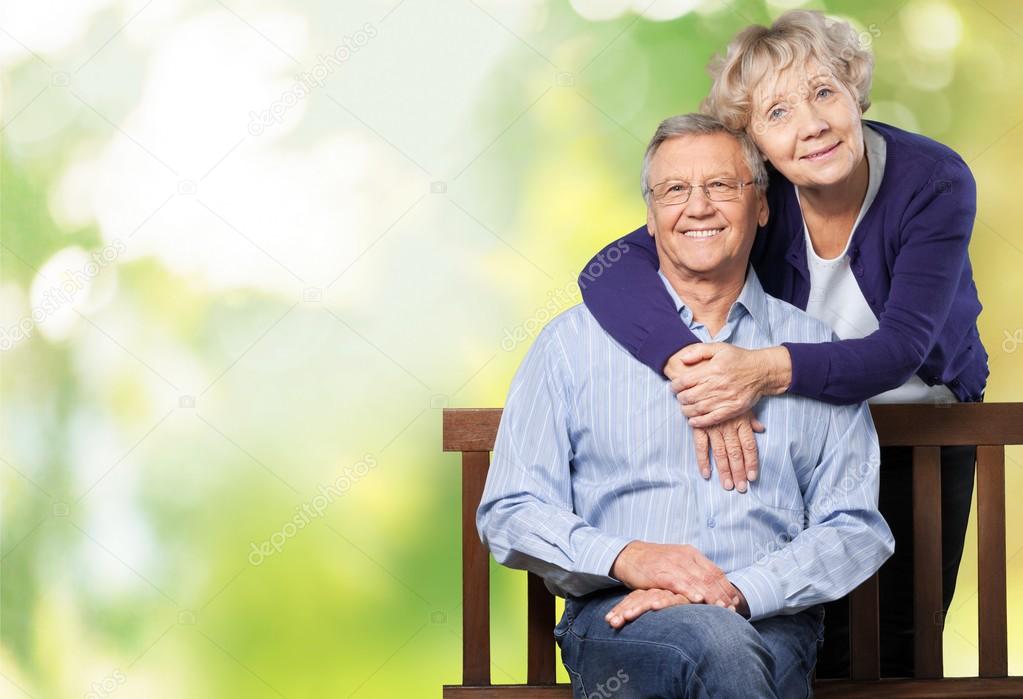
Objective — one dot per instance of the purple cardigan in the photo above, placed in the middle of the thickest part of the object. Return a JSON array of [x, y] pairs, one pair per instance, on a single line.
[[910, 257]]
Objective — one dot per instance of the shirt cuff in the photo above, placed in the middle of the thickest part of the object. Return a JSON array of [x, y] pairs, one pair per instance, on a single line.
[[601, 554], [662, 342], [763, 594], [809, 368]]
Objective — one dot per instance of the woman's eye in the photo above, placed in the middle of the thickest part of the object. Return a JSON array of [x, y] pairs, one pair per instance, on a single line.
[[776, 113], [824, 92]]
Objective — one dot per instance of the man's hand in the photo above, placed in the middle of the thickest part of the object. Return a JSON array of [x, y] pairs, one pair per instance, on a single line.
[[637, 602], [717, 381], [678, 568], [734, 448]]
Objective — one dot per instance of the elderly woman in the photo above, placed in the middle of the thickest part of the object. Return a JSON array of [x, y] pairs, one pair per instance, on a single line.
[[868, 231]]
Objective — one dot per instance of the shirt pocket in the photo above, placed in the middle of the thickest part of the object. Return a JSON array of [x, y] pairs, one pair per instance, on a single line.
[[777, 486]]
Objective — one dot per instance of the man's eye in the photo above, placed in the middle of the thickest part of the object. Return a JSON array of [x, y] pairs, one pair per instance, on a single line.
[[718, 185], [676, 188]]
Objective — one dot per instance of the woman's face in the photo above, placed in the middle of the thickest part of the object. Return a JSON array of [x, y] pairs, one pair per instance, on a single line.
[[807, 123]]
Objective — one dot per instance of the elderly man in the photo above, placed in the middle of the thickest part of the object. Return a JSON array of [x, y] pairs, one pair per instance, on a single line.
[[675, 587]]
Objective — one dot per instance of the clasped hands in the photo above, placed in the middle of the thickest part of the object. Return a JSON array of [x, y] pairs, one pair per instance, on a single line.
[[717, 385], [665, 575]]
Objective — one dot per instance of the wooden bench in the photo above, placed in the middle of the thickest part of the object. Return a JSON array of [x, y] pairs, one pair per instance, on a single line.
[[926, 428]]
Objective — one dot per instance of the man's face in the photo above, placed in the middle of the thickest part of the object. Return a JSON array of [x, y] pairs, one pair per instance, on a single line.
[[701, 237]]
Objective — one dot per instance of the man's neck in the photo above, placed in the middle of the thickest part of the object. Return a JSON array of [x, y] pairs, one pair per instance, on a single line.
[[709, 297]]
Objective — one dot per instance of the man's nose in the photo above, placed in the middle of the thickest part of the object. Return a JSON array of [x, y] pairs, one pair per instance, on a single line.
[[698, 204]]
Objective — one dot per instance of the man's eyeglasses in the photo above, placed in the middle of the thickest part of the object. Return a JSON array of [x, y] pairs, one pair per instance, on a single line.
[[672, 192]]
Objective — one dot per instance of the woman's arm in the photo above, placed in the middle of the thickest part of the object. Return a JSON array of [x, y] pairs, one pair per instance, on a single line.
[[935, 238], [623, 291], [720, 381]]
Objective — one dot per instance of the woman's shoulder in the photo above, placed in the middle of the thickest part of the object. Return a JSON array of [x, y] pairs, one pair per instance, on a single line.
[[908, 151]]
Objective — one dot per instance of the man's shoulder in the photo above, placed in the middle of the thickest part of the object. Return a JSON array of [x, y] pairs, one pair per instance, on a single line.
[[575, 336], [791, 324]]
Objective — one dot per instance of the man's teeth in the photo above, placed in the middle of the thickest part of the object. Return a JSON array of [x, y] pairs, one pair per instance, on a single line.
[[703, 233]]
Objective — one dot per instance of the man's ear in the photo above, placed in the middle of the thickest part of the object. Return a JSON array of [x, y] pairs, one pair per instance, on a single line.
[[764, 212], [650, 224]]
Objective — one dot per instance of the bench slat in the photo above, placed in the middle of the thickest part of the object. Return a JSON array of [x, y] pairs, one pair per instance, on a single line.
[[470, 429], [864, 649], [948, 688], [540, 661], [474, 429], [946, 425], [927, 616], [992, 628], [475, 574]]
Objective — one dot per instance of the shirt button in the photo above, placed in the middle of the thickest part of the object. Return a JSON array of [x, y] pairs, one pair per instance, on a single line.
[[711, 523]]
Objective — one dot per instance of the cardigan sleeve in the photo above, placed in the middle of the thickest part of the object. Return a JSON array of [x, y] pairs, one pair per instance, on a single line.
[[623, 291], [934, 241]]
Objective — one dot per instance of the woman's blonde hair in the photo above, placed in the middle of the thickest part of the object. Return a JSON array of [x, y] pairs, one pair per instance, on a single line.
[[794, 39]]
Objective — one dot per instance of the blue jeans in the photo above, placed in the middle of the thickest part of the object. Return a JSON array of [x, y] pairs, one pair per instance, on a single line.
[[692, 651]]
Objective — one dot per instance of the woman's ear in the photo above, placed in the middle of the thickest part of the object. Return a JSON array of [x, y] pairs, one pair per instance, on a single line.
[[764, 212]]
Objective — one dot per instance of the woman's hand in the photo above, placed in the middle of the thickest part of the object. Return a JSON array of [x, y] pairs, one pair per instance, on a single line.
[[716, 381]]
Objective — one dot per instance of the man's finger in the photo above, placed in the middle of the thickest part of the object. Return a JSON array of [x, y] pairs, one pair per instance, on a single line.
[[735, 461], [749, 449], [717, 446], [702, 443], [714, 581]]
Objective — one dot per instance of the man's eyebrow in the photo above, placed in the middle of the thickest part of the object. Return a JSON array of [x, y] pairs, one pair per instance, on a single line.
[[716, 174]]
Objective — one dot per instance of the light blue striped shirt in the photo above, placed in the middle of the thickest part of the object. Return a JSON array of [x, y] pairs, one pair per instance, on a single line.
[[593, 452]]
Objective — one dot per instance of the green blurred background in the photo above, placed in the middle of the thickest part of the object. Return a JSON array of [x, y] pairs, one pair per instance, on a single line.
[[250, 249]]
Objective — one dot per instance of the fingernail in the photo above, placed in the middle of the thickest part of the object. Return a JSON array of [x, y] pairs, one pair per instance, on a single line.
[[697, 598], [728, 484], [705, 473], [741, 487], [720, 603], [752, 475]]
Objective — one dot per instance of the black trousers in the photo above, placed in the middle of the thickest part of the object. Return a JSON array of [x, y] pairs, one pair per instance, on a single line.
[[895, 579]]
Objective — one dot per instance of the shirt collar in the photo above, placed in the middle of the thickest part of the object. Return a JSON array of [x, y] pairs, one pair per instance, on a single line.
[[752, 301]]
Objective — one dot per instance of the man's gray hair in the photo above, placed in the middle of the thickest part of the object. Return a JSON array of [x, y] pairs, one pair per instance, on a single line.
[[696, 124]]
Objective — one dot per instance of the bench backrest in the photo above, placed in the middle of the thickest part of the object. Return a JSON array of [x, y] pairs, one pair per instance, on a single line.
[[925, 428]]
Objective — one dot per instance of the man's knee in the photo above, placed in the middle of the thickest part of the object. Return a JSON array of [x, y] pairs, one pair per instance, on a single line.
[[723, 638]]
